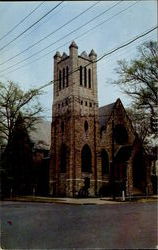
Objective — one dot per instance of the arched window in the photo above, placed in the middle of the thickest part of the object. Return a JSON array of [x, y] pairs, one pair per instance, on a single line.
[[86, 159], [85, 126], [67, 76], [80, 75], [62, 127], [63, 158], [63, 78], [59, 79], [89, 78], [85, 76], [104, 162], [120, 134]]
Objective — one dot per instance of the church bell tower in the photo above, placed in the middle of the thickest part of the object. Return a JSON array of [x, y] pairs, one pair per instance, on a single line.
[[74, 123]]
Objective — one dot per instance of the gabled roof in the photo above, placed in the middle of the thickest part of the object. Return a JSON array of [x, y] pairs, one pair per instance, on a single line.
[[104, 113]]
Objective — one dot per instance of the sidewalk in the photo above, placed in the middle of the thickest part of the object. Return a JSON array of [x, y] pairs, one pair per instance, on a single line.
[[82, 201]]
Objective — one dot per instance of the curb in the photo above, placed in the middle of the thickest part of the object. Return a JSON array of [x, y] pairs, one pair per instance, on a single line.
[[63, 202], [100, 201]]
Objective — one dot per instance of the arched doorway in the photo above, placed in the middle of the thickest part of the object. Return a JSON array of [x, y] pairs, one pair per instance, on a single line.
[[86, 159], [120, 168], [120, 161], [104, 162]]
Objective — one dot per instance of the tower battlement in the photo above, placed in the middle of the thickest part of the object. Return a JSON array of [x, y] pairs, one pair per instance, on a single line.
[[73, 52], [75, 77]]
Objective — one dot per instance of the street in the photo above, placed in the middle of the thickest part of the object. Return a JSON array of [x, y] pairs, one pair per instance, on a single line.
[[27, 225]]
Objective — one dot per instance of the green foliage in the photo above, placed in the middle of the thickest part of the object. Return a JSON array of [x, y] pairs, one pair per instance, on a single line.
[[139, 80], [14, 101]]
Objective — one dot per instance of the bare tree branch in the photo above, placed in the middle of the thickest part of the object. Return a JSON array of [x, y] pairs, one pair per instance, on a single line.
[[138, 79], [13, 101]]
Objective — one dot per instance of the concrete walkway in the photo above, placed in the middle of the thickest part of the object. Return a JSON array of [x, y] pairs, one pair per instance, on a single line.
[[81, 201]]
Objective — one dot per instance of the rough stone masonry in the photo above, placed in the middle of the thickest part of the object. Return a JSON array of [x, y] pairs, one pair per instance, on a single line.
[[94, 151]]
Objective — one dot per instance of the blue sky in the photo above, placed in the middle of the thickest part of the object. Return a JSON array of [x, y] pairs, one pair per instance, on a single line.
[[136, 17]]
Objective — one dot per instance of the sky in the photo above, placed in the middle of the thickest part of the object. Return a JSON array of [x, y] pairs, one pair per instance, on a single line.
[[116, 23]]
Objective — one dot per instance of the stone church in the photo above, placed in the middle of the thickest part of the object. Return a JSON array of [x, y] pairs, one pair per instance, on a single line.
[[94, 151]]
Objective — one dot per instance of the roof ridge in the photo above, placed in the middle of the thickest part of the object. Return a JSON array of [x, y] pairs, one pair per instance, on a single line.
[[110, 104]]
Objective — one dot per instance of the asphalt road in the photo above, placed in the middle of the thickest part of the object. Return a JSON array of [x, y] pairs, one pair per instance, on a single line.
[[52, 226]]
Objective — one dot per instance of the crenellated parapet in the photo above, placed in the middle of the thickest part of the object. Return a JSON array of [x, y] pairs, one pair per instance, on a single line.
[[75, 74]]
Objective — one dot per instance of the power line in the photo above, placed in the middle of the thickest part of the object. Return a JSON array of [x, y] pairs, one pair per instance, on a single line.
[[40, 24], [124, 45], [31, 46], [106, 54], [62, 26], [65, 43], [70, 34], [31, 26], [130, 52], [44, 22], [119, 54], [44, 55], [21, 21]]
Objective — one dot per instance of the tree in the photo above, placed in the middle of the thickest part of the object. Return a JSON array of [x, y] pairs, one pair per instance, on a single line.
[[139, 79], [141, 124], [14, 101], [17, 161]]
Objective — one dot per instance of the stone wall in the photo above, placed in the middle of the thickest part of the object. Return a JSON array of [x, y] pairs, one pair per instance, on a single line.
[[75, 123], [72, 106]]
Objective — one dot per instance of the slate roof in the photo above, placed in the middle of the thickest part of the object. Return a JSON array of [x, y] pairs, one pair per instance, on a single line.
[[92, 53], [73, 44], [104, 113]]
